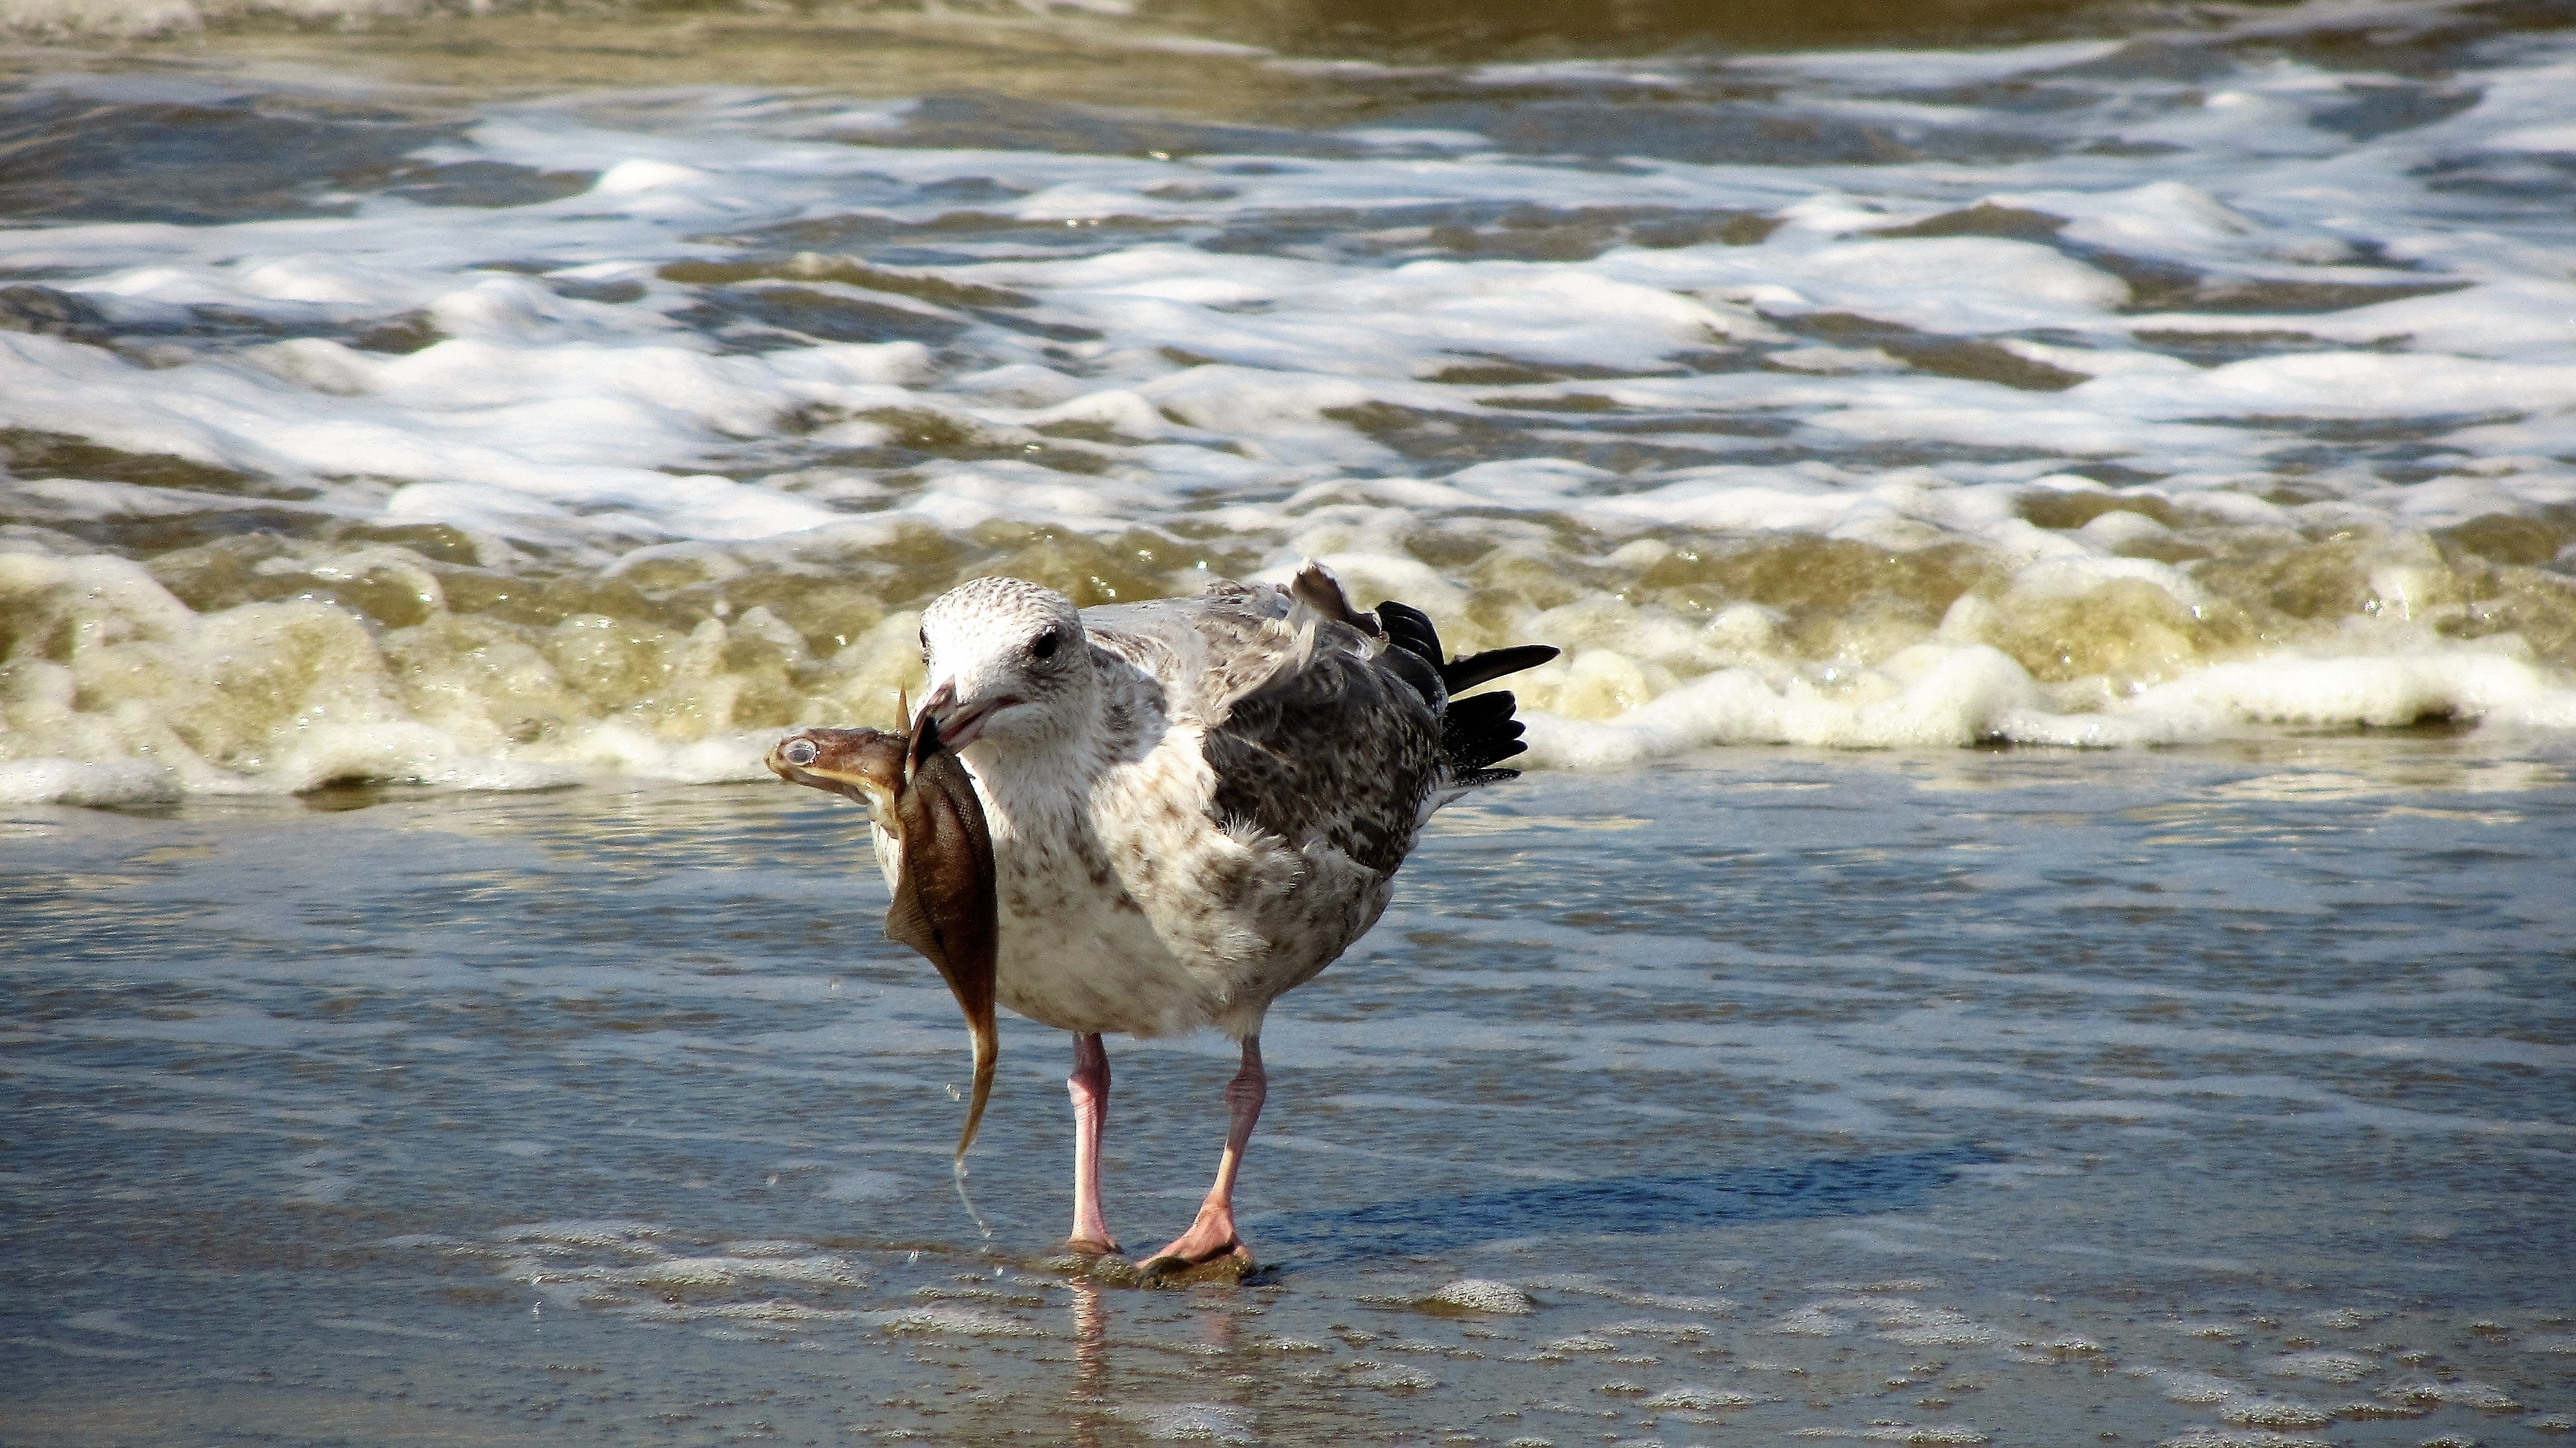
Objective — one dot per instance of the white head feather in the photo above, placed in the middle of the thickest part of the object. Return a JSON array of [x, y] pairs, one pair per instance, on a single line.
[[1008, 661]]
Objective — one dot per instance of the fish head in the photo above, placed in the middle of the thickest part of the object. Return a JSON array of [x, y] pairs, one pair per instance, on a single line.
[[867, 765]]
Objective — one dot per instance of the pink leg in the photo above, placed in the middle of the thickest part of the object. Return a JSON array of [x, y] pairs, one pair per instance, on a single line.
[[1212, 1235], [1089, 1084]]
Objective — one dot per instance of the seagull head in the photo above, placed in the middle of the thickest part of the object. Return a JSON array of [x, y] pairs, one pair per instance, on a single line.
[[1008, 661]]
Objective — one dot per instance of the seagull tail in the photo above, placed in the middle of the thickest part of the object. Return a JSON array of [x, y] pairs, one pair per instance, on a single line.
[[1475, 733]]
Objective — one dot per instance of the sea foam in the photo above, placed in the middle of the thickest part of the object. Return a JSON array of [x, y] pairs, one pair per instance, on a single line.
[[2193, 412]]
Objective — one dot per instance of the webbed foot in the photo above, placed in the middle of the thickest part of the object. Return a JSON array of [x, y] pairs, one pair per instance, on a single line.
[[1231, 1261]]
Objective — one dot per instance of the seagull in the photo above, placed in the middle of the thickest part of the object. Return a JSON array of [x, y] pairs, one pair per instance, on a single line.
[[1193, 806]]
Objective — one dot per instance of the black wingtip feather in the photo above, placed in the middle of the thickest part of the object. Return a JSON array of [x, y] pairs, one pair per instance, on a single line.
[[1479, 731], [1466, 673], [1410, 629], [1474, 732], [1418, 672]]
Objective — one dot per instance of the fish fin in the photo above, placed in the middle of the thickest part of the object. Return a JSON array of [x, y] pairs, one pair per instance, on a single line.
[[908, 924]]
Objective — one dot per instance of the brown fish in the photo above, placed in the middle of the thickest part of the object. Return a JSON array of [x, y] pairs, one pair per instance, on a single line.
[[917, 791]]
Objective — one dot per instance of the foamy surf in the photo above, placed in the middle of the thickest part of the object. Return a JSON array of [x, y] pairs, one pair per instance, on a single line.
[[541, 441]]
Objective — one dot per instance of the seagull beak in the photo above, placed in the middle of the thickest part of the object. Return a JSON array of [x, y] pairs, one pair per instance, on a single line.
[[936, 707], [944, 904], [960, 726]]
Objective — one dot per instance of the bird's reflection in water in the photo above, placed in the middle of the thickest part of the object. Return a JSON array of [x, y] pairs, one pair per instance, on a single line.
[[1089, 1406], [1087, 1402], [1216, 1328]]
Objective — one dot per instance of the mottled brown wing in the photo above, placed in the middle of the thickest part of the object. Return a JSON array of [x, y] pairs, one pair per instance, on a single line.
[[1337, 749]]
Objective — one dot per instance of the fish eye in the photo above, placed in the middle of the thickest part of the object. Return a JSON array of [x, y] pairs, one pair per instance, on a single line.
[[1045, 645], [798, 751]]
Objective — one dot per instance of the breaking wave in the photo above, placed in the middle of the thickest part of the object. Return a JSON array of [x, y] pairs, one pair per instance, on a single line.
[[2099, 393]]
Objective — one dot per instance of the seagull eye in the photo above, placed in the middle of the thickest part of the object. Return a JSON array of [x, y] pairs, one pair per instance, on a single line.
[[799, 751], [1046, 644]]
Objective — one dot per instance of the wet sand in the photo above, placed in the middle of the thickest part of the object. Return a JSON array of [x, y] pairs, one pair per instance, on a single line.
[[1950, 1097]]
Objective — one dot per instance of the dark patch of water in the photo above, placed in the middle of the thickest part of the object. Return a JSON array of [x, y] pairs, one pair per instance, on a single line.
[[1640, 1205], [68, 157]]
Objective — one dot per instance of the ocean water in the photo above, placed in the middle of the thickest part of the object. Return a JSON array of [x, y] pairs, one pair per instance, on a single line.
[[455, 407], [1935, 1097], [2039, 914]]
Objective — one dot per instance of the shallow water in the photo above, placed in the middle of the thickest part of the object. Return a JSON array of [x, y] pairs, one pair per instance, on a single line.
[[1932, 1097]]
